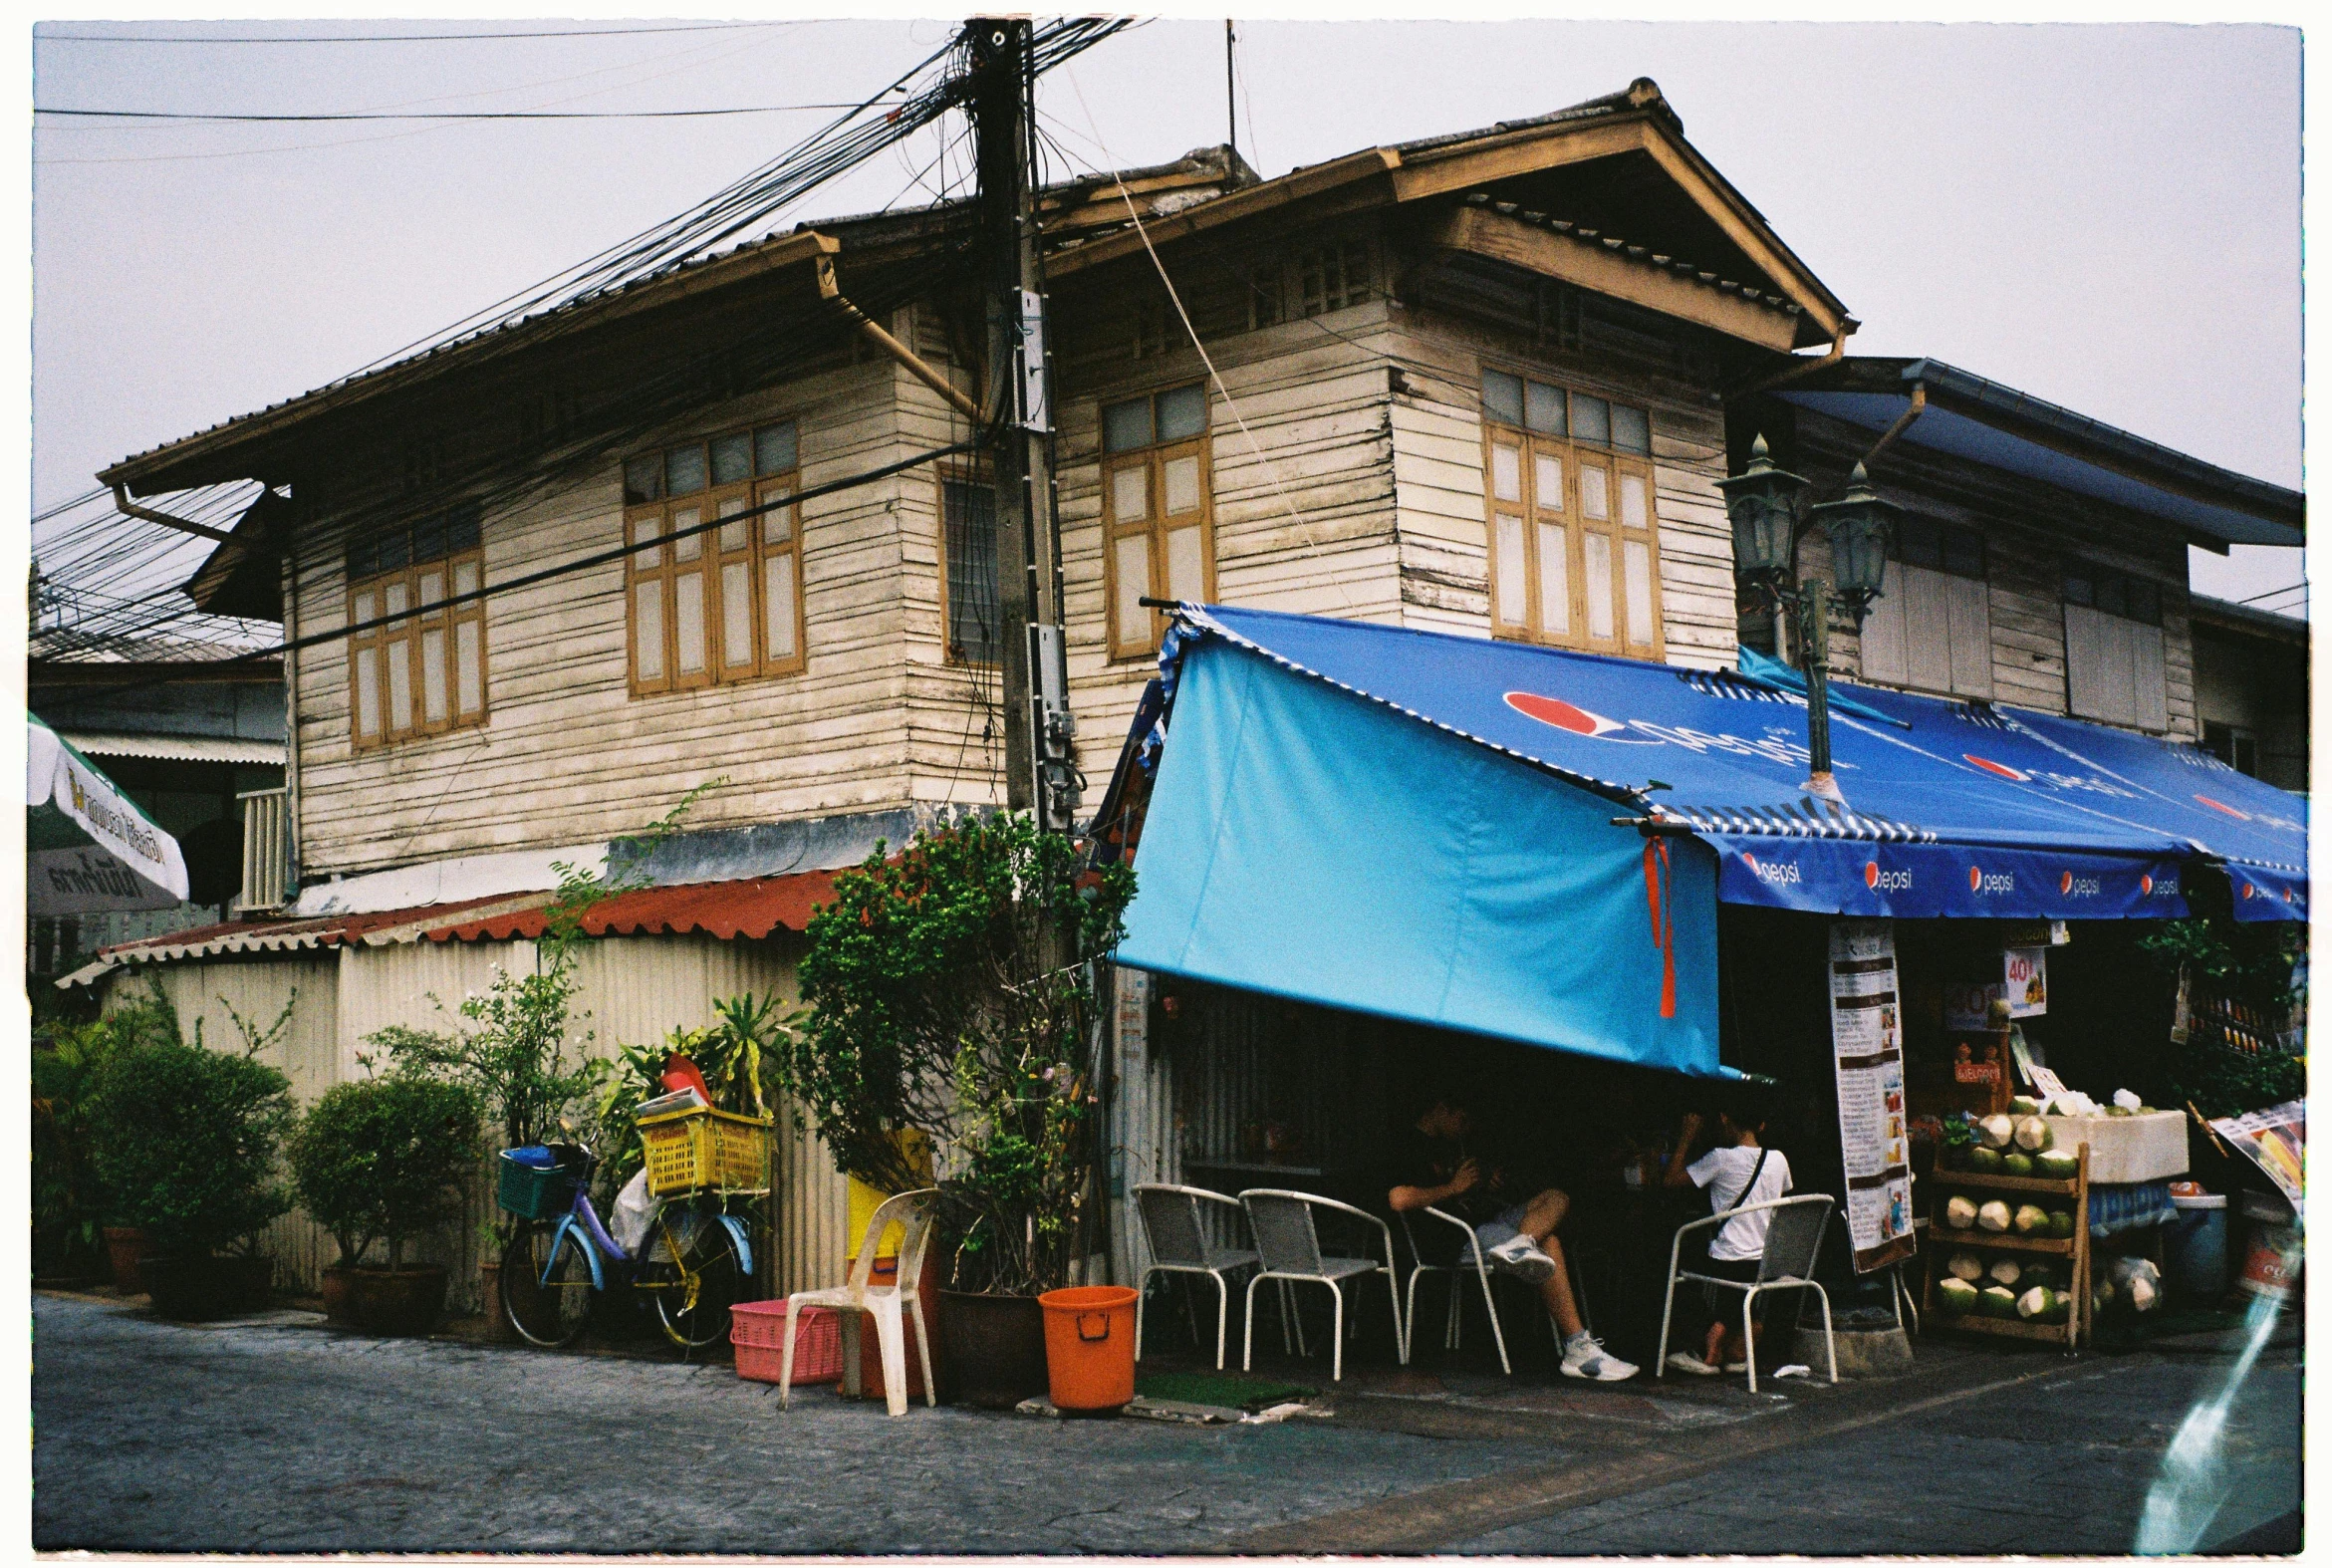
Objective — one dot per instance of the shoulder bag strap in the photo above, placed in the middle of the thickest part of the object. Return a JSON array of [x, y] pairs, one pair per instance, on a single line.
[[1755, 1172]]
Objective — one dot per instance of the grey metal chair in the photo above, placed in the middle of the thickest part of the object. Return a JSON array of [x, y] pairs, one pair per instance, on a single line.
[[1173, 1223], [1467, 1258], [1288, 1239], [1793, 1239]]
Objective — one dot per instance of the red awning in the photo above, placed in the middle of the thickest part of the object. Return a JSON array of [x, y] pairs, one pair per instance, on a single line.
[[727, 909]]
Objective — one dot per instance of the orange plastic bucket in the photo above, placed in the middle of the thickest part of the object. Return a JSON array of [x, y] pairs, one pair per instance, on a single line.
[[1089, 1345]]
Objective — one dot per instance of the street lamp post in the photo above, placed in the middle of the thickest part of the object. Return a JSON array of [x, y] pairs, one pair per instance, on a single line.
[[1766, 506]]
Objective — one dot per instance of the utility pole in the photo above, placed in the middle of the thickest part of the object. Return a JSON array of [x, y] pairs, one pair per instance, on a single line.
[[1230, 81], [1039, 772]]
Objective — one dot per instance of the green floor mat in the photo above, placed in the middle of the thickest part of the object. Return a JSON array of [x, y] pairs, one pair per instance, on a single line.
[[1223, 1389]]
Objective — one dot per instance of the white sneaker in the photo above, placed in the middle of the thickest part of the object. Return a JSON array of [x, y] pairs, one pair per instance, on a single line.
[[1521, 1257], [1585, 1357], [1685, 1360]]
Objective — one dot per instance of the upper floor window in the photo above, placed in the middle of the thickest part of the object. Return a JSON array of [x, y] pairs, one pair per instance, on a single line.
[[710, 602], [1158, 511], [1931, 626], [967, 560], [425, 672], [2113, 647], [1574, 535], [1330, 276]]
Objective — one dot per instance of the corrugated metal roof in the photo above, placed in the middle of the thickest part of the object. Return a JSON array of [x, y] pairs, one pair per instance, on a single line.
[[727, 909], [178, 748], [1641, 255]]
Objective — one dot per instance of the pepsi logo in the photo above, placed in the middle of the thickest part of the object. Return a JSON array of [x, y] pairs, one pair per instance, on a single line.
[[1980, 881], [1871, 874], [1561, 714], [1997, 769], [1771, 874], [2072, 887], [1975, 880], [2219, 805], [2065, 883], [2146, 886], [1885, 880], [2248, 890]]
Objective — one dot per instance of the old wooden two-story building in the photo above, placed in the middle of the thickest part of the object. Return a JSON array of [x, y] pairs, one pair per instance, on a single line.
[[1482, 383]]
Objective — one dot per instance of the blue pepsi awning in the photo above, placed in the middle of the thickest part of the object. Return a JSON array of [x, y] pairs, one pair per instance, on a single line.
[[1304, 841], [1950, 808]]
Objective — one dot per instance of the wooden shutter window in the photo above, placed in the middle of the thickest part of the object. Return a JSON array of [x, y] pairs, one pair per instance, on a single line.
[[1157, 512], [1574, 536], [781, 578], [722, 603]]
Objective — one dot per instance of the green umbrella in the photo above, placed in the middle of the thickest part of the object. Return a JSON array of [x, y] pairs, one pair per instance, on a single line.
[[90, 848]]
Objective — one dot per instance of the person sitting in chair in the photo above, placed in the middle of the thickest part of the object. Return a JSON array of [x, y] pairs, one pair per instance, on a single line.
[[1738, 1169], [1435, 1169]]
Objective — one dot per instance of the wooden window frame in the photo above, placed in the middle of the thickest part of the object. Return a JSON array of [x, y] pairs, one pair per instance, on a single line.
[[417, 582], [1533, 623], [767, 539], [1142, 640], [975, 476]]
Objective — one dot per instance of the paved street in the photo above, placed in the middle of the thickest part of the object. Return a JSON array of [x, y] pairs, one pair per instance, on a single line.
[[285, 1438]]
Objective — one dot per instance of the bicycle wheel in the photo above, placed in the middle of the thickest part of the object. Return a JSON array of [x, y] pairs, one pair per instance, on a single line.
[[550, 1311], [690, 1265]]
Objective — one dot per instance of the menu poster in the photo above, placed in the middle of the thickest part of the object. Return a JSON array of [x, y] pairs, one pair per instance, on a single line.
[[2276, 1140], [1866, 1038]]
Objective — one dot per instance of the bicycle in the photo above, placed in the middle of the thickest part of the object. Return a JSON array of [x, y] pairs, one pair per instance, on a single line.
[[695, 1262]]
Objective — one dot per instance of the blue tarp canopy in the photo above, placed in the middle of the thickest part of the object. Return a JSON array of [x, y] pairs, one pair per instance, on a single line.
[[1422, 825]]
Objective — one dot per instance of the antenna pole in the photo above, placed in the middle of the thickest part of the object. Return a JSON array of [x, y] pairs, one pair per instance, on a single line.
[[1230, 80]]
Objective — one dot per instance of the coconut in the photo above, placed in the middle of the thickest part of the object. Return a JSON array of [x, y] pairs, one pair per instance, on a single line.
[[2030, 1217], [2057, 1164], [2017, 1164], [2143, 1293], [1999, 1300], [1965, 1265], [2006, 1271], [2060, 1308], [1998, 1131], [1992, 1216], [1957, 1296], [1984, 1160], [2024, 1105], [2033, 1303], [2061, 1223], [1959, 1213], [2033, 1134]]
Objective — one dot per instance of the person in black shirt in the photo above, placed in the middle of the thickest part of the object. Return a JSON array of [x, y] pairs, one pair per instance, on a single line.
[[1436, 1167]]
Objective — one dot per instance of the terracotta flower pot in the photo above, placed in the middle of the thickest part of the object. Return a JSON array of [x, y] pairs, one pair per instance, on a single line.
[[125, 1247], [406, 1301], [192, 1287], [993, 1348]]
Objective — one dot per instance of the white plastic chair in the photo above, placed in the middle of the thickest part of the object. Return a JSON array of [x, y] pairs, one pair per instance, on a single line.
[[888, 1304], [1793, 1238], [1173, 1223], [1455, 1269], [1289, 1243]]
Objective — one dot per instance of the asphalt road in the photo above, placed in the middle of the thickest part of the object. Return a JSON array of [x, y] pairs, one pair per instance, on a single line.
[[153, 1437]]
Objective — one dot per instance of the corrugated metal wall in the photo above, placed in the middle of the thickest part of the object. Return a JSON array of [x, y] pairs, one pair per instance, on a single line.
[[632, 989]]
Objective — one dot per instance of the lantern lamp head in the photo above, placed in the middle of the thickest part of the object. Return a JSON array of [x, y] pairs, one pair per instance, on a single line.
[[1761, 502], [1858, 526]]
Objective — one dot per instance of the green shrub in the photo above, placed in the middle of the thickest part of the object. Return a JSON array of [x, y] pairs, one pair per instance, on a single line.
[[184, 1143], [385, 1160]]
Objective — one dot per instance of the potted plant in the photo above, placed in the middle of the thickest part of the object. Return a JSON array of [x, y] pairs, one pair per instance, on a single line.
[[75, 1232], [948, 992], [383, 1160], [184, 1140]]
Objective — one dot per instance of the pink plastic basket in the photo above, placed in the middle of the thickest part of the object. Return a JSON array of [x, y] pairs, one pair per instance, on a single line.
[[757, 1330]]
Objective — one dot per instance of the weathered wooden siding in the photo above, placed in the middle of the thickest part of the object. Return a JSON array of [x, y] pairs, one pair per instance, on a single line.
[[631, 990], [567, 755], [2032, 532]]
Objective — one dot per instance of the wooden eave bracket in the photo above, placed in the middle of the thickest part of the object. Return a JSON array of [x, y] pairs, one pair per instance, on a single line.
[[130, 508], [1591, 265], [830, 289]]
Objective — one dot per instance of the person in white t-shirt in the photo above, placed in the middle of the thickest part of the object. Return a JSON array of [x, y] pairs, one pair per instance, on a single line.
[[1738, 1170]]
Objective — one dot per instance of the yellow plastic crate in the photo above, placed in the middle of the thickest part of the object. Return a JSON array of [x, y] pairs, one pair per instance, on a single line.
[[688, 1150]]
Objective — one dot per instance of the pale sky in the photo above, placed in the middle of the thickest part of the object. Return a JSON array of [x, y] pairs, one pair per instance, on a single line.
[[2107, 217]]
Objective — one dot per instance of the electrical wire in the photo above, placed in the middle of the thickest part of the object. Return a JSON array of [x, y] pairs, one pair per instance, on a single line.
[[398, 38], [474, 114]]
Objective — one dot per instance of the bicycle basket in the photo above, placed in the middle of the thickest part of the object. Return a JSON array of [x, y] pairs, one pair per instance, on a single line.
[[690, 1151], [534, 1191]]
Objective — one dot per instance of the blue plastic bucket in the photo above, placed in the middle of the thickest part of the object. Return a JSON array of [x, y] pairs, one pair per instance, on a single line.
[[2195, 1247]]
